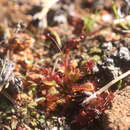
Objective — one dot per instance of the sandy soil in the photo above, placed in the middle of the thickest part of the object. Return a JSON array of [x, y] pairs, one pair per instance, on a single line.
[[118, 117]]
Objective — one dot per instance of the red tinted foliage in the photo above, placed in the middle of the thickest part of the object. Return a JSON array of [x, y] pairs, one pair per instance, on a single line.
[[93, 110], [77, 23], [89, 87], [69, 88], [74, 42], [89, 65], [19, 128]]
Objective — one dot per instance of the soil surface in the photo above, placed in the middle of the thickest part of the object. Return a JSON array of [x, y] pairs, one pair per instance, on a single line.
[[118, 117]]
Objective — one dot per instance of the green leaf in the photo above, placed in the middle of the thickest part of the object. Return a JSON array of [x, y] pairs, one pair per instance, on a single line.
[[89, 23], [114, 8], [50, 83], [29, 61]]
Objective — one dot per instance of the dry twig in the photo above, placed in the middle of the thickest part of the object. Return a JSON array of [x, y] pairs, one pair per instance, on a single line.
[[106, 87], [47, 4]]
